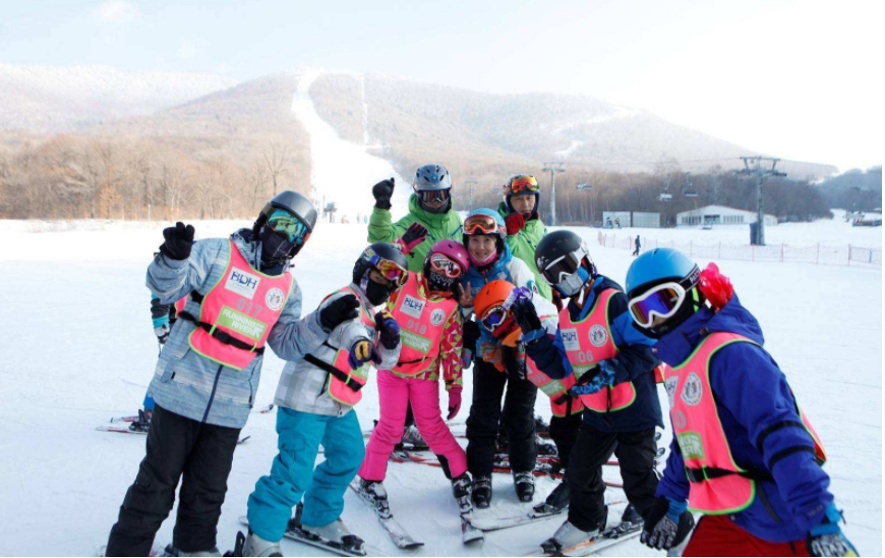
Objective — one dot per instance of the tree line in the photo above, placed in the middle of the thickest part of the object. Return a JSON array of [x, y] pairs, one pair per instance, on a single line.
[[83, 177]]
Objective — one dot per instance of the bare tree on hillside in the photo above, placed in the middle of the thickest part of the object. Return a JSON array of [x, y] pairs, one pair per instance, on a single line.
[[275, 158]]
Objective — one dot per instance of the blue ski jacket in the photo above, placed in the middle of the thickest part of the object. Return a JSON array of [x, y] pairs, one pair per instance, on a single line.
[[760, 421]]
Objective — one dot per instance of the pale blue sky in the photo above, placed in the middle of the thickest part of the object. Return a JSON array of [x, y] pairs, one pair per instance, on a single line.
[[796, 79]]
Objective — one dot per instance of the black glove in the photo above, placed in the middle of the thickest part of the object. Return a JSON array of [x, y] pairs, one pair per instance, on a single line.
[[526, 316], [338, 311], [383, 191], [660, 531], [471, 334], [179, 240]]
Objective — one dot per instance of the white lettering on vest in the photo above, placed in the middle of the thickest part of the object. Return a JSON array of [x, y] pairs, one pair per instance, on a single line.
[[412, 306]]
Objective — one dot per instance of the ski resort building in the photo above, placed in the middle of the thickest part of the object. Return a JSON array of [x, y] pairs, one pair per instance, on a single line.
[[617, 219], [719, 215]]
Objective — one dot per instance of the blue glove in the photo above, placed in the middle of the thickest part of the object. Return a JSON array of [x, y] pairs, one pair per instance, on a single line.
[[827, 539], [363, 351], [605, 376], [388, 329]]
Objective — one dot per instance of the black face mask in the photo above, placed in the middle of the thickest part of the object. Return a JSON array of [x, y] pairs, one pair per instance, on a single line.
[[275, 249], [376, 293], [439, 283]]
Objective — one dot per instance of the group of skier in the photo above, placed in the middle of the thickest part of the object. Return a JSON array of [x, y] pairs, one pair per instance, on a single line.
[[527, 309]]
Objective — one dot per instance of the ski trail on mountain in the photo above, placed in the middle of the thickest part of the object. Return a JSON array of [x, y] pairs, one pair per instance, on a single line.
[[342, 172]]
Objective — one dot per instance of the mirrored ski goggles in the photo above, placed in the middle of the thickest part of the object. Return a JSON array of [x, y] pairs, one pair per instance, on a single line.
[[561, 269], [285, 223], [662, 301], [430, 196], [390, 270], [493, 317], [480, 224], [523, 184], [441, 264]]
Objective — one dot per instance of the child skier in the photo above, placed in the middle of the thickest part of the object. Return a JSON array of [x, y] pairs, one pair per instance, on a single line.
[[522, 200], [492, 304], [497, 367], [316, 395], [430, 205], [743, 454], [426, 309], [241, 299], [614, 367]]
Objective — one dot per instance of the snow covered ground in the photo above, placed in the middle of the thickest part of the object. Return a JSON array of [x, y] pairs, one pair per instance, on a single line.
[[79, 349]]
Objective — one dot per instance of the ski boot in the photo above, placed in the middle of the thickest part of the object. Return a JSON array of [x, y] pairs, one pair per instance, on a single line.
[[374, 493], [339, 536], [482, 491], [542, 428], [172, 551], [524, 483], [631, 519], [461, 488], [568, 537], [256, 546], [413, 440], [142, 423]]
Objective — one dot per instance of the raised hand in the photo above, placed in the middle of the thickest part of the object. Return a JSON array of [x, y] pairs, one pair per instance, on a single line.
[[382, 192], [179, 240]]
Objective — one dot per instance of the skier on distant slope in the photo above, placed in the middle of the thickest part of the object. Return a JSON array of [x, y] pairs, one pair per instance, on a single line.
[[430, 205], [743, 454], [496, 368], [426, 309], [241, 298], [315, 399], [613, 366]]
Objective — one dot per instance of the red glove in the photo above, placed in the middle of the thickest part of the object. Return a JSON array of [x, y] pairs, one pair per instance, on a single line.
[[454, 402], [716, 287], [515, 223]]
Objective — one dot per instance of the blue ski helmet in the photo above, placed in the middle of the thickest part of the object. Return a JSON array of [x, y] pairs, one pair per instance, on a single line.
[[655, 267]]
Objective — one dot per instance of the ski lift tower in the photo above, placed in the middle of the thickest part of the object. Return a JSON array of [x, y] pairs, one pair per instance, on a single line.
[[753, 166], [553, 167]]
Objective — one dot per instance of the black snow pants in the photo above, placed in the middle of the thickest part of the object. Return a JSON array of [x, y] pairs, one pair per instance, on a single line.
[[564, 433], [489, 386], [177, 448], [636, 456]]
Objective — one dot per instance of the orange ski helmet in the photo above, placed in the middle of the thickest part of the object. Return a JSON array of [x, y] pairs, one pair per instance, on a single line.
[[490, 311]]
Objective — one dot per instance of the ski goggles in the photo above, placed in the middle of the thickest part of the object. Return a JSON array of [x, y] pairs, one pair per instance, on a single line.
[[441, 264], [288, 225], [661, 300], [522, 184], [494, 317], [430, 196], [561, 269], [390, 270], [480, 223]]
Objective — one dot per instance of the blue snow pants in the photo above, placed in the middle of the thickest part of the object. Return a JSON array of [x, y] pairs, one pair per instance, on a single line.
[[293, 475]]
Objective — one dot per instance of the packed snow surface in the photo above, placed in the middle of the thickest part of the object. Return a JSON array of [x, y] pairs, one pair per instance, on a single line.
[[79, 349]]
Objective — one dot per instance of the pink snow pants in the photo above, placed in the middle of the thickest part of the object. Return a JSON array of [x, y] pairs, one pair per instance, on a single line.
[[395, 392]]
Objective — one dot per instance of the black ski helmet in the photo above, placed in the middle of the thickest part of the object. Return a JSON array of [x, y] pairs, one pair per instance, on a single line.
[[564, 252], [293, 202], [384, 251]]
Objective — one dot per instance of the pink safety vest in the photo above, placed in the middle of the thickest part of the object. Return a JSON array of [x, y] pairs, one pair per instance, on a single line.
[[718, 485], [556, 390], [245, 304], [345, 388], [422, 325], [588, 342]]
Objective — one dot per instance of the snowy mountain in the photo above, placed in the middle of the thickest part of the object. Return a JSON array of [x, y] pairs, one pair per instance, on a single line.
[[52, 99]]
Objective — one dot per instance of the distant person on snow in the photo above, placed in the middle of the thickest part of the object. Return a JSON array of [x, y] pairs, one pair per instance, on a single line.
[[316, 397], [638, 246], [241, 298], [743, 452], [430, 205]]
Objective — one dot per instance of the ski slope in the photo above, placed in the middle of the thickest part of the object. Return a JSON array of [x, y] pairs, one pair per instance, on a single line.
[[79, 349]]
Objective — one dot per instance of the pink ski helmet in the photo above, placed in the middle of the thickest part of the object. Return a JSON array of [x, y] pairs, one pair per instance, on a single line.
[[455, 251]]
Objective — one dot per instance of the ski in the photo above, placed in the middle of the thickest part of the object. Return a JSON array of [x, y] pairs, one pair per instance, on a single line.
[[125, 430], [130, 418], [266, 409], [610, 537], [470, 534], [539, 512], [154, 551], [295, 533], [398, 534]]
